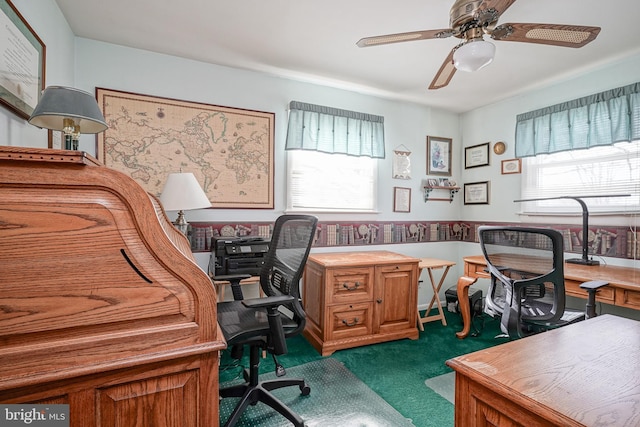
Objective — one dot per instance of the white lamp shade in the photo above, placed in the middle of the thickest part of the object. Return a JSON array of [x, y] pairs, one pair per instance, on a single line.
[[59, 103], [182, 192], [474, 55]]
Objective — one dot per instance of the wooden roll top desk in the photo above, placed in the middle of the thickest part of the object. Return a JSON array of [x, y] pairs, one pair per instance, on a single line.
[[102, 305]]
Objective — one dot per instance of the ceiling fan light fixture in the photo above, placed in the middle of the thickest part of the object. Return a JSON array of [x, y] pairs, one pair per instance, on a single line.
[[474, 55]]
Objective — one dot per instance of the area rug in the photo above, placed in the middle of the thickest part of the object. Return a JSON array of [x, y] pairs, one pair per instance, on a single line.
[[444, 385], [338, 399]]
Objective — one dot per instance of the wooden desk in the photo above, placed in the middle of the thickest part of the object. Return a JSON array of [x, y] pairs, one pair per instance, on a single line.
[[584, 374], [623, 289], [434, 264]]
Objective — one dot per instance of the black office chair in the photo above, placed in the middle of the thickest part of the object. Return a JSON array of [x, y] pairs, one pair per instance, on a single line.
[[527, 288], [266, 323]]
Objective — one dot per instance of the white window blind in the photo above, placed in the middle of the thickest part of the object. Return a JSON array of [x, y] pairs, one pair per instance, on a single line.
[[330, 182], [606, 170]]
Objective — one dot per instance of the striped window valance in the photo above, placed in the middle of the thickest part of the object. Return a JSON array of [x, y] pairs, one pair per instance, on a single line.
[[601, 119], [332, 130]]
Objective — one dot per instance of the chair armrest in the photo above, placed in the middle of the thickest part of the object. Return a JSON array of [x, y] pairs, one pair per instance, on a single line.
[[592, 288], [231, 277], [593, 284], [234, 280], [268, 301]]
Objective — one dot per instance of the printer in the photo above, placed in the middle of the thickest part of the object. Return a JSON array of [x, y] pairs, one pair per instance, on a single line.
[[237, 255]]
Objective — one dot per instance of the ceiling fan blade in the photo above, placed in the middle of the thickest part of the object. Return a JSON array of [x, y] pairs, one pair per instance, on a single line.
[[444, 74], [553, 34], [405, 37], [499, 5]]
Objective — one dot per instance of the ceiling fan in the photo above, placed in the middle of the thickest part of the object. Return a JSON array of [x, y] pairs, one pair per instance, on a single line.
[[471, 20]]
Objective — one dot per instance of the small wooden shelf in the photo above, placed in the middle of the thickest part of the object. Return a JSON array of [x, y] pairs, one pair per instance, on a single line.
[[429, 188]]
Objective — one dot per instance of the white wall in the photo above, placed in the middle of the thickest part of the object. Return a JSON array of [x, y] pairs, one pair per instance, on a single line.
[[497, 122], [121, 68], [49, 24]]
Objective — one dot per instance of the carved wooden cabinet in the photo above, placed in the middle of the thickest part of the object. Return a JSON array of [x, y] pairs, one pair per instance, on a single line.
[[359, 298], [102, 305]]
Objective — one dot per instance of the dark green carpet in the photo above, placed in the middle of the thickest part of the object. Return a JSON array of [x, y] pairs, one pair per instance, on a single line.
[[396, 370]]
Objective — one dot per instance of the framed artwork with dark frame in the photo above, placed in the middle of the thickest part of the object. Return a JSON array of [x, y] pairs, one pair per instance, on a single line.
[[511, 166], [476, 193], [22, 62], [401, 199], [438, 156], [476, 155]]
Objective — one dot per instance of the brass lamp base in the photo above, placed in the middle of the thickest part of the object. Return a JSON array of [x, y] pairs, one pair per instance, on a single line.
[[181, 223]]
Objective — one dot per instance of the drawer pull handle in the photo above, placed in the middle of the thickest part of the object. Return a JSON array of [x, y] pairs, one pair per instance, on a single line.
[[350, 324], [355, 286]]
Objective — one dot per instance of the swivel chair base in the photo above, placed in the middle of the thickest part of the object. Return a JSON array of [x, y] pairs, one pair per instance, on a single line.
[[254, 391]]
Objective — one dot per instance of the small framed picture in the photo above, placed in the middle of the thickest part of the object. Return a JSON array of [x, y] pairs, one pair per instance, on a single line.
[[477, 155], [401, 199], [438, 156], [432, 182], [511, 166], [476, 193]]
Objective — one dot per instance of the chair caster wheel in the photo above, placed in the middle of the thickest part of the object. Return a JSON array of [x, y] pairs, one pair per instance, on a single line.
[[305, 389]]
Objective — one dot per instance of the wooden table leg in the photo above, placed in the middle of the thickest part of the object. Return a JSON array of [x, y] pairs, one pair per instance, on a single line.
[[463, 304], [434, 299]]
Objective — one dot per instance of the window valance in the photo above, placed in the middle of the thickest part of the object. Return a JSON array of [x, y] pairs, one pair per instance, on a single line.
[[331, 130], [601, 119]]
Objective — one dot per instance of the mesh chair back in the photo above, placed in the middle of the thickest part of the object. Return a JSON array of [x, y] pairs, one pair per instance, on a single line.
[[526, 267], [289, 249]]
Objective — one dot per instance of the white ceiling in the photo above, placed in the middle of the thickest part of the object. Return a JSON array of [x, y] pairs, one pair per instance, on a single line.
[[315, 41]]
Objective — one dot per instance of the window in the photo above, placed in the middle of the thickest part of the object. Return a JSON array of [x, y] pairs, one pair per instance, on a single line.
[[319, 181], [605, 170], [331, 160]]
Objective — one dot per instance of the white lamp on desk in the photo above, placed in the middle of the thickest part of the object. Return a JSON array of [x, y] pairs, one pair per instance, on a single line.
[[182, 192]]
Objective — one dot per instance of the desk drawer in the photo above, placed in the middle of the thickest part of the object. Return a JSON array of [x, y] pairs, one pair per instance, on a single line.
[[628, 298], [475, 270], [605, 294], [350, 320], [351, 285]]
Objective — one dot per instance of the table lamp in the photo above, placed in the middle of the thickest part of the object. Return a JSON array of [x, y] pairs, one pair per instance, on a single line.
[[182, 192], [72, 111]]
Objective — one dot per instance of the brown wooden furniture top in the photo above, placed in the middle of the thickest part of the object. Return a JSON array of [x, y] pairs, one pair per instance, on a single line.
[[581, 374], [618, 277], [347, 259], [435, 263]]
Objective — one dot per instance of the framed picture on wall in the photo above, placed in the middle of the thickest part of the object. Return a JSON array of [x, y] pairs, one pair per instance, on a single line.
[[22, 62], [511, 166], [401, 199], [187, 136], [476, 193], [477, 155], [438, 156]]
